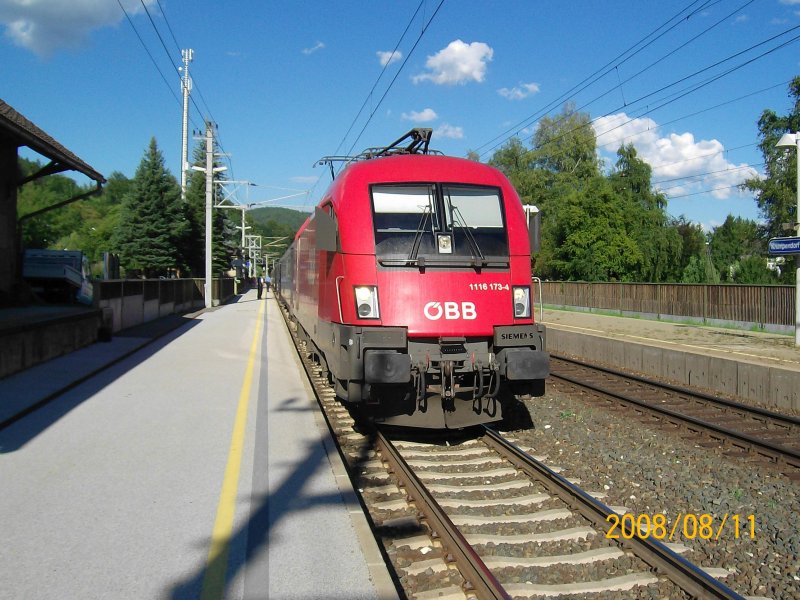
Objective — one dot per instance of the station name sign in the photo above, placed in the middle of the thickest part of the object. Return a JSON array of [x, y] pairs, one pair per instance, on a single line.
[[784, 245]]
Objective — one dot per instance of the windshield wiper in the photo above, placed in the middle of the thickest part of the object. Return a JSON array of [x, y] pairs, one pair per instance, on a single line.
[[426, 212], [458, 219]]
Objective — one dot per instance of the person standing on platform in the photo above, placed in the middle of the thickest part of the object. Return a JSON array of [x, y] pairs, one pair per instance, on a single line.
[[260, 286]]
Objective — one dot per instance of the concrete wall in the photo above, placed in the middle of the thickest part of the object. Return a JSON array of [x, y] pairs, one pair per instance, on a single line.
[[132, 302], [33, 343], [119, 304], [762, 383]]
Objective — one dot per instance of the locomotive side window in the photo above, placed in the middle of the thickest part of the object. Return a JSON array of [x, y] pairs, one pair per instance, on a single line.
[[444, 221]]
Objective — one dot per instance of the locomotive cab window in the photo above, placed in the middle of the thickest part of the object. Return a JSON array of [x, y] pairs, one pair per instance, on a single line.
[[448, 222]]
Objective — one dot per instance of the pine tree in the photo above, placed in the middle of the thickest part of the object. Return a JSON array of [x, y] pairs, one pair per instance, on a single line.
[[153, 224]]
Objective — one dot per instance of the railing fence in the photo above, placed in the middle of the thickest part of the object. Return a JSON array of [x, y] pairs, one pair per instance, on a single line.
[[767, 307]]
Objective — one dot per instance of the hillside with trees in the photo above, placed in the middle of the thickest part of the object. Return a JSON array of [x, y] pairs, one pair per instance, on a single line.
[[276, 225]]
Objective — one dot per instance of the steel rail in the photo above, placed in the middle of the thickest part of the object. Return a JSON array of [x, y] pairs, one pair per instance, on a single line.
[[691, 578], [781, 419], [775, 452], [484, 584]]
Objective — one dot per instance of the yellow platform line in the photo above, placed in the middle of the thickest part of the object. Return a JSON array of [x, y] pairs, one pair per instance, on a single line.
[[217, 561]]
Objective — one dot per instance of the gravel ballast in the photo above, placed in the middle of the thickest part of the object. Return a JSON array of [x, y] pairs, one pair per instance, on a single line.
[[650, 470]]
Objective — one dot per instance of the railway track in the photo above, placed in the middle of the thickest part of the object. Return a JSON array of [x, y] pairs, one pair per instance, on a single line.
[[737, 427], [480, 518]]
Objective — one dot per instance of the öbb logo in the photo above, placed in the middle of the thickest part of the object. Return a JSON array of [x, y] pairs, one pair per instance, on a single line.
[[450, 311]]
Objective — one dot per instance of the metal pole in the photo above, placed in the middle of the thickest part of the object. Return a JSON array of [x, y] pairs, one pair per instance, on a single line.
[[186, 86], [797, 257], [243, 211], [209, 208]]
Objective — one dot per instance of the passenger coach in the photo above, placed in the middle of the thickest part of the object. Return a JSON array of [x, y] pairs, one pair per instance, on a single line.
[[412, 282]]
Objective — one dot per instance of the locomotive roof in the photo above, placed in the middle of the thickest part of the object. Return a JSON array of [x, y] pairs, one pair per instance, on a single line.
[[411, 168], [349, 194], [353, 182]]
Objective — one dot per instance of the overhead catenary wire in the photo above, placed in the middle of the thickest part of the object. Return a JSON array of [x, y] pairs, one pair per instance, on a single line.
[[716, 64], [391, 83], [380, 76], [709, 191], [176, 67], [670, 53], [703, 176], [691, 180], [598, 74], [399, 70], [158, 34], [693, 87], [692, 114], [172, 61], [147, 50], [169, 27]]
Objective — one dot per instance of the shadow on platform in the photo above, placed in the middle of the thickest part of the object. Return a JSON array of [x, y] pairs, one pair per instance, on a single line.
[[30, 408], [256, 532]]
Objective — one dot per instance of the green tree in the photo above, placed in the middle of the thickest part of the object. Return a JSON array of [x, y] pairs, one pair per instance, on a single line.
[[110, 210], [776, 193], [693, 244], [44, 230], [700, 270], [736, 239], [558, 174], [534, 184], [566, 144], [645, 217], [586, 238], [154, 224], [94, 221], [753, 270], [87, 225]]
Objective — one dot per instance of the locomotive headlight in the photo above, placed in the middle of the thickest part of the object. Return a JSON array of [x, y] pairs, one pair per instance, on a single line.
[[522, 302], [367, 302]]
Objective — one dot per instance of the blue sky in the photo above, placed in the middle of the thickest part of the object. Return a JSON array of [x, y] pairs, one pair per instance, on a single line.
[[284, 82]]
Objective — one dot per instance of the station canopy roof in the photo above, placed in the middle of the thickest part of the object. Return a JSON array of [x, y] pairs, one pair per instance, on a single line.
[[16, 129]]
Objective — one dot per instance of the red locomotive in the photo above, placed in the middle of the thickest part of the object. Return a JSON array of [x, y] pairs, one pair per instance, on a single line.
[[412, 284]]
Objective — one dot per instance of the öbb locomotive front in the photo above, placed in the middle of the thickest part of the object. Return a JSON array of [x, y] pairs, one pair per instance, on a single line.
[[412, 284]]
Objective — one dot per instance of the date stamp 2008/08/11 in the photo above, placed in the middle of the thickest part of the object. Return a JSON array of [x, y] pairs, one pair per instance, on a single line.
[[688, 526]]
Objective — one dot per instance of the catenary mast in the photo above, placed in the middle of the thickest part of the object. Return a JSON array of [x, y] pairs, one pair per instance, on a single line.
[[186, 87]]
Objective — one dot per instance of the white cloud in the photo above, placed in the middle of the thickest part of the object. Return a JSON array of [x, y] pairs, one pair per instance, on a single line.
[[387, 58], [314, 48], [449, 131], [523, 90], [44, 26], [695, 165], [459, 63], [424, 116]]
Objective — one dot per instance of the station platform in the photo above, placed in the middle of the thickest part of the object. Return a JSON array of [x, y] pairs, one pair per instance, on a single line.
[[133, 436], [752, 366]]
